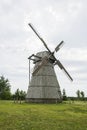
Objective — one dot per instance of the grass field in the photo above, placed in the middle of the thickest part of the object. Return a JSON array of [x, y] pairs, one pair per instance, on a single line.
[[64, 116]]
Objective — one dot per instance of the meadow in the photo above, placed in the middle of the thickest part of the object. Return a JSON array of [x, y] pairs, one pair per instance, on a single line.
[[62, 116]]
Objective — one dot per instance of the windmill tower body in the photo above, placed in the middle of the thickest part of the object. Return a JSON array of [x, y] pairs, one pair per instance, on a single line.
[[44, 86]]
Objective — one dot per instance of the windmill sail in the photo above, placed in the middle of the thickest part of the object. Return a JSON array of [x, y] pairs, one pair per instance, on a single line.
[[42, 63], [39, 37], [59, 46], [62, 67]]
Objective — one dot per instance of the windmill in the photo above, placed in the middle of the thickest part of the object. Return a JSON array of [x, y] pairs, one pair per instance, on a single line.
[[44, 86]]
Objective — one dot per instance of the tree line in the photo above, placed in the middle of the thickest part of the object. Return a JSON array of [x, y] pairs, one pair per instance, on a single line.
[[5, 91], [80, 95]]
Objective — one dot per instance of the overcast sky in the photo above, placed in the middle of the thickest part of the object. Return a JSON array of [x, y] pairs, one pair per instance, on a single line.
[[55, 20]]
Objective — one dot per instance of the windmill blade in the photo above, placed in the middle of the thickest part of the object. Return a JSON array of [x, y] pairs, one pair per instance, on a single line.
[[42, 63], [34, 30], [62, 67], [39, 37], [59, 46]]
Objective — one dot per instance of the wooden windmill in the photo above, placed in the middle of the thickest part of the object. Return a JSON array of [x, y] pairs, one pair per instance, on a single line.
[[44, 86]]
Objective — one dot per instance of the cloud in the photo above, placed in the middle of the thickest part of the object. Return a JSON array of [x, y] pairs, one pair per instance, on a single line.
[[55, 21], [74, 54]]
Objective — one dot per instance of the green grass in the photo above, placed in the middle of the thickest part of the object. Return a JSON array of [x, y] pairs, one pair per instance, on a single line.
[[64, 116]]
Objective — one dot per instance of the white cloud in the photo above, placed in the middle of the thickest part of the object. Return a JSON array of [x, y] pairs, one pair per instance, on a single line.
[[74, 54]]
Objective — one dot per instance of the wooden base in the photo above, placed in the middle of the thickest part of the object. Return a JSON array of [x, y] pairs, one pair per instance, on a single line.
[[43, 100]]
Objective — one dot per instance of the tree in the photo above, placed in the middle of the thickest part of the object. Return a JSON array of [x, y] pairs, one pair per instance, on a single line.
[[64, 95], [78, 94], [5, 88], [19, 95], [82, 95], [22, 95]]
